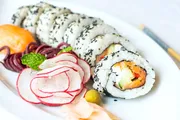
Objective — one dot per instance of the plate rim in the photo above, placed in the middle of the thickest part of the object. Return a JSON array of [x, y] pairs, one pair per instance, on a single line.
[[115, 18]]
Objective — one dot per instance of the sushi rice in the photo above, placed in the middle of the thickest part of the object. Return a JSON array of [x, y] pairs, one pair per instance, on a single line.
[[20, 15], [30, 22], [91, 32], [75, 28], [101, 43], [59, 26], [106, 76], [46, 20]]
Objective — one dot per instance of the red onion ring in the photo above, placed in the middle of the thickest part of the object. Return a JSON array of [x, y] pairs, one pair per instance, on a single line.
[[62, 45], [41, 47], [8, 64], [31, 47], [53, 53], [8, 51], [17, 61], [13, 61]]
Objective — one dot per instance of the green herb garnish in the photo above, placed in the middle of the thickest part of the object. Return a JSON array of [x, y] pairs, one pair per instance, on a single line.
[[66, 49], [33, 60]]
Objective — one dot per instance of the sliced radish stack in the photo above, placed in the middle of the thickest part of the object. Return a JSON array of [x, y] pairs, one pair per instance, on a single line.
[[74, 65], [23, 86], [35, 90], [75, 81], [63, 56], [56, 100], [57, 83], [50, 71], [61, 81], [52, 79], [87, 70]]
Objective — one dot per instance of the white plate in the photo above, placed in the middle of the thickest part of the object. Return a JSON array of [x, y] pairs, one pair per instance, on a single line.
[[160, 104]]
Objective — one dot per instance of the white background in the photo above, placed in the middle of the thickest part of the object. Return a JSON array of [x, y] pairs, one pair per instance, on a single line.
[[162, 16]]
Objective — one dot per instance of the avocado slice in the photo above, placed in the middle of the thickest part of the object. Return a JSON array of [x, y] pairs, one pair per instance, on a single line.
[[126, 77]]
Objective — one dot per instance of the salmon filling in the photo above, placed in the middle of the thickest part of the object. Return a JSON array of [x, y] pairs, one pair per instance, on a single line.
[[107, 51], [129, 75]]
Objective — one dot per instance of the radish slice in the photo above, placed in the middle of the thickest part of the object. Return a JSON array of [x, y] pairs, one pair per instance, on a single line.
[[34, 86], [23, 86], [80, 95], [68, 56], [54, 70], [63, 94], [73, 65], [52, 62], [56, 100], [56, 83], [75, 80], [44, 86], [87, 70]]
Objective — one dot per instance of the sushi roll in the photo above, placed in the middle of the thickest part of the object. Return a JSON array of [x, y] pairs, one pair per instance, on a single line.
[[44, 4], [103, 45], [75, 28], [20, 15], [59, 27], [30, 22], [46, 20], [123, 74], [89, 33]]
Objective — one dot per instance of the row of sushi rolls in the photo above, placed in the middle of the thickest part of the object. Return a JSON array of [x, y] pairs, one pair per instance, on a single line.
[[56, 52]]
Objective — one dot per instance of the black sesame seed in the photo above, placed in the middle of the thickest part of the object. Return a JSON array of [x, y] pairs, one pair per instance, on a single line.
[[115, 100]]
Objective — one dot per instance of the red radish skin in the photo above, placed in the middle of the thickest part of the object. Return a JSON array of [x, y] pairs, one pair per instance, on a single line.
[[63, 94], [75, 66], [39, 93], [48, 101], [60, 78], [51, 104], [72, 80], [63, 56], [36, 91], [87, 70], [76, 92], [75, 80], [50, 70], [32, 98]]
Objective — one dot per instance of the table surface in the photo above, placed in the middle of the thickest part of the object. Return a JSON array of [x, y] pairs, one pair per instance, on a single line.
[[161, 16]]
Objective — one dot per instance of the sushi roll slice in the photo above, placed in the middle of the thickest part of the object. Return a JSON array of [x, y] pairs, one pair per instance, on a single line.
[[20, 15], [99, 47], [89, 33], [30, 22], [59, 26], [75, 28], [46, 20], [124, 74]]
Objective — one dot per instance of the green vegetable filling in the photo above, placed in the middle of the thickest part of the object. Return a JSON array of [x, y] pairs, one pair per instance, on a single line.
[[33, 60]]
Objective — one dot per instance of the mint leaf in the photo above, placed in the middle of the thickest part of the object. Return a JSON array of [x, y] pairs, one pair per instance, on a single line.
[[33, 60], [66, 49]]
